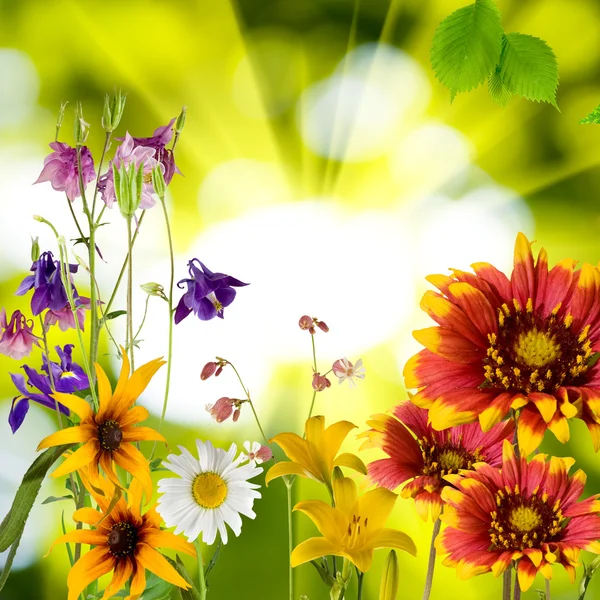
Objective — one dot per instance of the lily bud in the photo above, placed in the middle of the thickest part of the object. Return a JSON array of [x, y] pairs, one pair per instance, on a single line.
[[390, 579]]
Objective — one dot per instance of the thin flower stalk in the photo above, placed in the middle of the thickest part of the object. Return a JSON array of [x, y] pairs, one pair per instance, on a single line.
[[130, 295], [201, 579], [431, 563]]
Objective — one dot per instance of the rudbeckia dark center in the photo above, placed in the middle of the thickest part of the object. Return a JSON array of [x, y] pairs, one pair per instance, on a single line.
[[535, 354], [122, 539], [110, 435], [521, 522], [444, 459]]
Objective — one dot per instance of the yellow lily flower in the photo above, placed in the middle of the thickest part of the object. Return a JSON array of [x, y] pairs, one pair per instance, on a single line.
[[315, 455], [354, 529]]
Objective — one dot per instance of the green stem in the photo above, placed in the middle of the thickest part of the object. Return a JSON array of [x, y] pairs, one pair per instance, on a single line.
[[288, 485], [75, 219], [506, 584], [104, 149], [517, 593], [137, 333], [314, 353], [201, 580], [431, 564], [547, 589], [130, 295], [124, 266], [361, 576]]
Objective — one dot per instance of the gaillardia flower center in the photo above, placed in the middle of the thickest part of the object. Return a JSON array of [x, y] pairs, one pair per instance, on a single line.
[[122, 539], [110, 435], [209, 490], [440, 460], [535, 354], [520, 523]]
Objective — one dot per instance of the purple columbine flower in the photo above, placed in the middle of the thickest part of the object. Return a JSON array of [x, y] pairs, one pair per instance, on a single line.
[[207, 293], [49, 291], [17, 335], [127, 153], [160, 138], [67, 376], [60, 169]]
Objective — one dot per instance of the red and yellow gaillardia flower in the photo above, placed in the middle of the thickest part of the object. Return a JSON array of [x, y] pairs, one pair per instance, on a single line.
[[419, 454], [108, 435], [525, 343], [125, 542], [525, 512]]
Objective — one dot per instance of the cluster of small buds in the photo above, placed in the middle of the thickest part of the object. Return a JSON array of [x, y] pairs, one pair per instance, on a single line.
[[213, 368], [224, 408], [320, 382], [309, 323]]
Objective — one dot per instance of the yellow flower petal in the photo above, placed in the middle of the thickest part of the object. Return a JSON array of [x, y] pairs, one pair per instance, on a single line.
[[133, 461], [88, 568], [284, 468], [296, 449], [122, 573], [158, 564], [81, 536], [70, 435], [312, 549], [104, 389], [351, 461], [344, 492], [391, 538], [89, 516], [376, 505], [138, 434], [85, 455], [361, 557], [78, 405], [156, 538], [334, 436], [329, 521], [134, 387]]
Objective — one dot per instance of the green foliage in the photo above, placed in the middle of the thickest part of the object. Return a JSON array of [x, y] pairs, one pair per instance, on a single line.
[[192, 593], [528, 68], [470, 46], [156, 589], [466, 46], [592, 118]]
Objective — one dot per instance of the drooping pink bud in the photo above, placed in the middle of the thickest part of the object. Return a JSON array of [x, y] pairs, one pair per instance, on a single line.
[[322, 325], [236, 414], [320, 382], [306, 323], [222, 409], [208, 370], [264, 454]]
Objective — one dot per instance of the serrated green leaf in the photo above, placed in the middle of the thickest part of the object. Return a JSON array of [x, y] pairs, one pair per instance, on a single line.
[[156, 589], [51, 499], [192, 593], [466, 46], [528, 68], [497, 88], [13, 524], [592, 118], [9, 561]]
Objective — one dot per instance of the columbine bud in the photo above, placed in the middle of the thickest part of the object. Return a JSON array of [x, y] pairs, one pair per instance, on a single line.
[[128, 184], [81, 129], [390, 579], [35, 249], [180, 123], [154, 289], [222, 409], [113, 111], [208, 370], [319, 382], [158, 181], [322, 325], [60, 118]]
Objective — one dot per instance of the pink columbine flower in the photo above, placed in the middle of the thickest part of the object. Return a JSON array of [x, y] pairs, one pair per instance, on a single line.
[[60, 169], [64, 316], [256, 454], [126, 154], [17, 335], [344, 369], [320, 382]]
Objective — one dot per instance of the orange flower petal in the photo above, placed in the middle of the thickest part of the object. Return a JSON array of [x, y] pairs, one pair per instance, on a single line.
[[88, 568]]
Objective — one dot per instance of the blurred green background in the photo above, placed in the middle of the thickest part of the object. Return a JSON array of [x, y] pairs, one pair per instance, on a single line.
[[324, 164]]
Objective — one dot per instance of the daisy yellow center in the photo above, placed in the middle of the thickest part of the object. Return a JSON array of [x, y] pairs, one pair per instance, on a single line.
[[209, 490], [536, 348], [122, 539], [110, 436], [535, 353], [524, 519]]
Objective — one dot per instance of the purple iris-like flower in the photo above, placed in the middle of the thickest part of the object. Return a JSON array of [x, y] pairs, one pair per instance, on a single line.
[[207, 293], [130, 153], [61, 170], [49, 291], [17, 337], [67, 377], [160, 138]]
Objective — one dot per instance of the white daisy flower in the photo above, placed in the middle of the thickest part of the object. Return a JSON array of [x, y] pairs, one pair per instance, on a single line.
[[256, 453], [211, 491], [344, 369]]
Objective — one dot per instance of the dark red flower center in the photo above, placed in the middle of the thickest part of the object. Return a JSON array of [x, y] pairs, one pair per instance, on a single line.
[[444, 459], [521, 522], [110, 435], [531, 353], [122, 539]]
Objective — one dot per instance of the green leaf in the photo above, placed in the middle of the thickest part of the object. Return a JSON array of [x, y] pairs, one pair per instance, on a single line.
[[13, 524], [51, 499], [114, 314], [156, 589], [9, 561], [497, 88], [466, 46], [192, 593], [592, 118], [528, 68]]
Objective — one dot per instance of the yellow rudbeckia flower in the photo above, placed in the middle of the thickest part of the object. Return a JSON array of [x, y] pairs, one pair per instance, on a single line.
[[354, 529], [315, 455]]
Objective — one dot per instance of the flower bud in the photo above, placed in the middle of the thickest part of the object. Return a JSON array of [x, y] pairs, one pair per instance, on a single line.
[[180, 123], [319, 382], [222, 409], [154, 289], [81, 129], [264, 454], [35, 249], [158, 181], [218, 371], [208, 370], [322, 325], [128, 184], [390, 578], [306, 323], [236, 415], [60, 118], [113, 111]]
